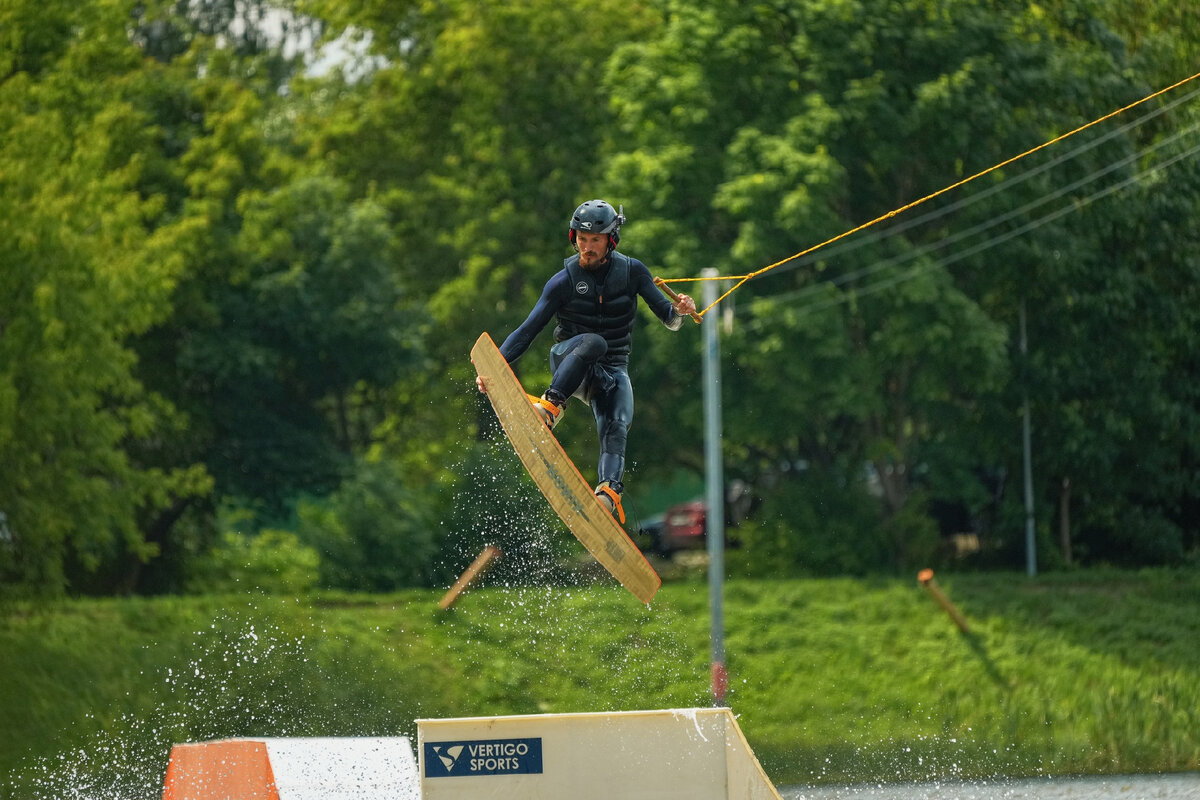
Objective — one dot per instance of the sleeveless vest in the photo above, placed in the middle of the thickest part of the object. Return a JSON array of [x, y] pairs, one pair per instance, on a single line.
[[607, 309]]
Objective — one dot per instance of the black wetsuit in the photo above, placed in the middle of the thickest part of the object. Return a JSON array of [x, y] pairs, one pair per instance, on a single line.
[[593, 339]]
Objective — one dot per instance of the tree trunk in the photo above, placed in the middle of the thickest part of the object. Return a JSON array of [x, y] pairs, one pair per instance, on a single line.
[[1064, 520]]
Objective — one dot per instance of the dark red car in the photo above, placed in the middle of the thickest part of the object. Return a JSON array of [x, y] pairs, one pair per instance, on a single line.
[[683, 527]]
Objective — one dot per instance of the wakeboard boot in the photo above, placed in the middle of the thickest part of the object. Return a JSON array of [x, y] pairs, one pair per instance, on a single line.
[[547, 410], [610, 498]]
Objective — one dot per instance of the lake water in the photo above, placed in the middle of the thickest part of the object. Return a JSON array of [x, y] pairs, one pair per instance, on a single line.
[[1181, 786]]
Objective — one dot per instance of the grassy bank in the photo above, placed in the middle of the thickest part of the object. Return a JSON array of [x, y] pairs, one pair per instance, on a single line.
[[833, 679]]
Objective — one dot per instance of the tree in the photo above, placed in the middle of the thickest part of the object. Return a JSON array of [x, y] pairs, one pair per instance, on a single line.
[[1112, 376], [847, 122], [888, 348], [481, 132], [75, 285]]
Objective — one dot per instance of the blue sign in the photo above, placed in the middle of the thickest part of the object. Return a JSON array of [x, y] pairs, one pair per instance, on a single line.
[[483, 757]]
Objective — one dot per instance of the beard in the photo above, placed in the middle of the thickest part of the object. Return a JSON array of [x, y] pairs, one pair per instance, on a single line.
[[591, 260]]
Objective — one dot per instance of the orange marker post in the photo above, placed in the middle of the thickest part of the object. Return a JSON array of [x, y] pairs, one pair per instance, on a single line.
[[925, 576], [480, 565]]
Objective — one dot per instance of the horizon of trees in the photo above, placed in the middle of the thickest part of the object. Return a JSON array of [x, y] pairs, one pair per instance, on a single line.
[[237, 296]]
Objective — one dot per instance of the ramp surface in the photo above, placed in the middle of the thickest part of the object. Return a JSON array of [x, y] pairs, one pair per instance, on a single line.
[[698, 754], [293, 769], [556, 476]]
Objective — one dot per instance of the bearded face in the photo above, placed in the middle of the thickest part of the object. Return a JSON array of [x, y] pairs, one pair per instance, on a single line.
[[593, 249]]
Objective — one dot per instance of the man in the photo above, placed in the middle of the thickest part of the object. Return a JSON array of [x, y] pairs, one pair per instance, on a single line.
[[595, 298]]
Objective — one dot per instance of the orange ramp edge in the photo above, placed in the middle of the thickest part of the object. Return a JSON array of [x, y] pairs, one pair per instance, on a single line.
[[220, 771]]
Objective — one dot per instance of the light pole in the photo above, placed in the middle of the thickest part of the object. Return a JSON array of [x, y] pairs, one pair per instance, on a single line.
[[1027, 446], [714, 525]]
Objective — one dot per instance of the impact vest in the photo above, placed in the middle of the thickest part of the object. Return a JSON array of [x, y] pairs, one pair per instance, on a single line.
[[606, 308]]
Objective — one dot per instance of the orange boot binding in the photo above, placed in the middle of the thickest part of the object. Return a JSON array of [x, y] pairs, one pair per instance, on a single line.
[[549, 412], [611, 499]]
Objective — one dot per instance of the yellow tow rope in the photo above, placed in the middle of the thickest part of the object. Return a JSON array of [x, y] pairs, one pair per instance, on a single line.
[[741, 279]]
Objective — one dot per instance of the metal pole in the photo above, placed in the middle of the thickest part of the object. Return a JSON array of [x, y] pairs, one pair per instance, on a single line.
[[1030, 544], [715, 482]]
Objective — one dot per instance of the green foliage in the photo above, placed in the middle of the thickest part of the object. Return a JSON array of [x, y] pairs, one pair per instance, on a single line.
[[810, 525], [375, 533], [77, 280], [872, 383], [227, 282], [271, 561], [914, 537], [878, 349]]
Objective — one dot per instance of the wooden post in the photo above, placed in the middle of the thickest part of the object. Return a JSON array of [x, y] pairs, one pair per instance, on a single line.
[[925, 576], [1064, 520], [479, 566]]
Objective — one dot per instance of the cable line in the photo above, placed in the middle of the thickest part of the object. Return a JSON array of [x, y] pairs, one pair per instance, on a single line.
[[900, 227], [742, 279], [1067, 208], [991, 222]]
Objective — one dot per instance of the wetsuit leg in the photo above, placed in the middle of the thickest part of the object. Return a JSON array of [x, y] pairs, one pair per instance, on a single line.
[[571, 363], [614, 414]]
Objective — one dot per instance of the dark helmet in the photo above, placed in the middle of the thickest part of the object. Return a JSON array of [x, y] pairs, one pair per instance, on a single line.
[[597, 216]]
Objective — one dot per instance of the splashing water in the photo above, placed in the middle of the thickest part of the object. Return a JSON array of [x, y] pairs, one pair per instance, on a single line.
[[542, 595], [246, 674], [498, 504], [240, 681]]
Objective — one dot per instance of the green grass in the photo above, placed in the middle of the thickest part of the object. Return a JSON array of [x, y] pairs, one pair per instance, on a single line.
[[833, 680]]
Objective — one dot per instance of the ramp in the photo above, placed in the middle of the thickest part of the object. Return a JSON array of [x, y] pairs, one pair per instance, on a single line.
[[293, 769], [698, 754]]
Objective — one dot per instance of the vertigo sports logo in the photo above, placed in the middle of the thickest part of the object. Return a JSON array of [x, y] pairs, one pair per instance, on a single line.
[[483, 757]]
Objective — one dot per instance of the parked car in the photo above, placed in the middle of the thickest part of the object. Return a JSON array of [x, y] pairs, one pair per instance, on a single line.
[[683, 527]]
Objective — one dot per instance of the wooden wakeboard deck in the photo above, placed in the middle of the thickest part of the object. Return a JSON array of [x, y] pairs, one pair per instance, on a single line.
[[556, 476]]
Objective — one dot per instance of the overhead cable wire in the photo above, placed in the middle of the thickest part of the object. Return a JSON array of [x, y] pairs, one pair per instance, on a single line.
[[991, 222], [1058, 213], [742, 279], [1067, 208], [900, 227]]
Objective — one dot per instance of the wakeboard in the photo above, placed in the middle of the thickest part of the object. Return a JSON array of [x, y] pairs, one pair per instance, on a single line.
[[557, 477]]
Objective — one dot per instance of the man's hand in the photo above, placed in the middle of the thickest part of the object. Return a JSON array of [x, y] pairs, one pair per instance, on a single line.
[[480, 385], [684, 305]]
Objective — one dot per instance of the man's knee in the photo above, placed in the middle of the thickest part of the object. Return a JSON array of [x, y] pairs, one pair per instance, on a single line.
[[591, 346]]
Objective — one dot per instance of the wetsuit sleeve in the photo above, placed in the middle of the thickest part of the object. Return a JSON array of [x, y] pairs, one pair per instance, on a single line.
[[644, 284], [543, 311]]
